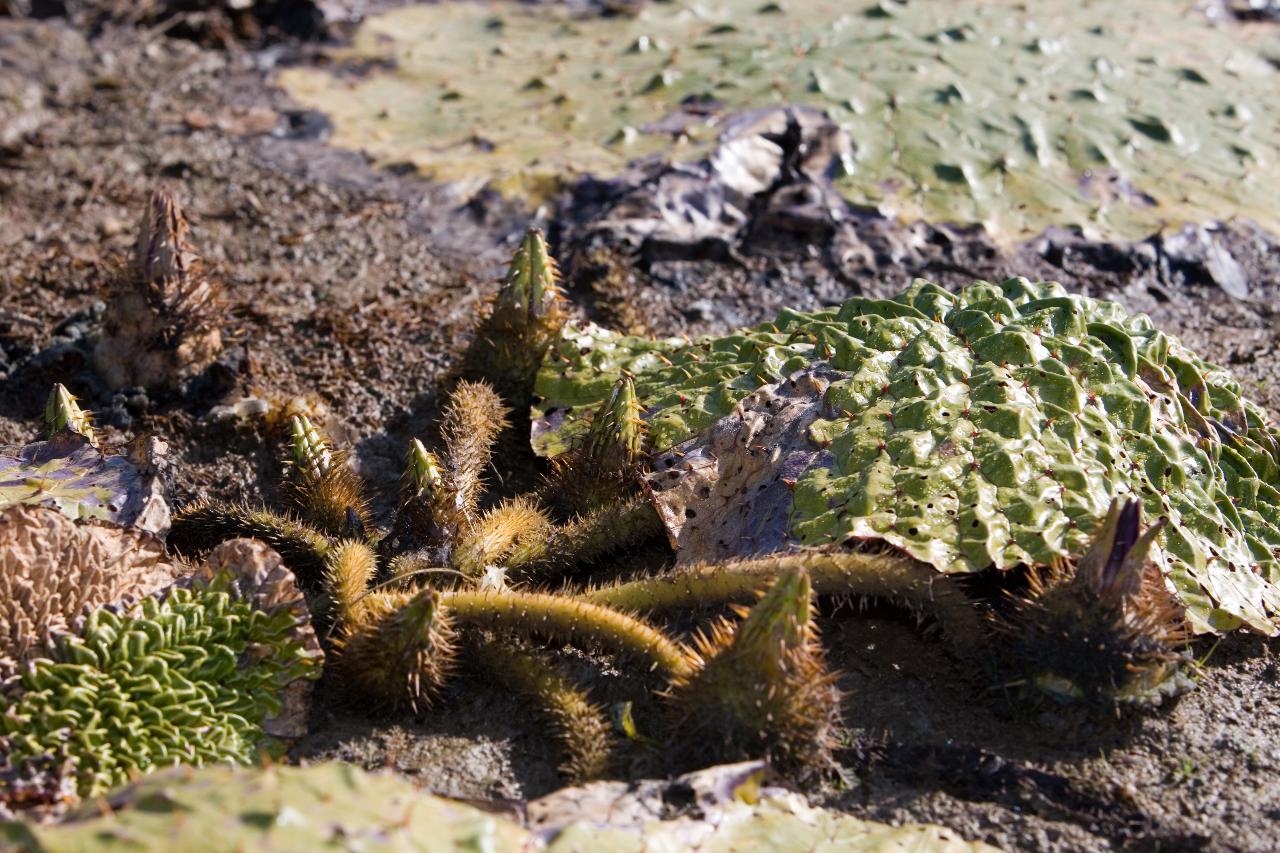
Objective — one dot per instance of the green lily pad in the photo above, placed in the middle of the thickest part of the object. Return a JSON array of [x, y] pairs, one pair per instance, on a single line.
[[1014, 115]]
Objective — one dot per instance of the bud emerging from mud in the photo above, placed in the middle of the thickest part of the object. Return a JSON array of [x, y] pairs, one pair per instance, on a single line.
[[1104, 628], [161, 323], [422, 473], [615, 439], [606, 465], [764, 690], [321, 485], [62, 412], [525, 318]]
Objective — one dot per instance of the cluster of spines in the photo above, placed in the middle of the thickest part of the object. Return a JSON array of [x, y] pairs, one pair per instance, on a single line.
[[473, 419], [1103, 628], [763, 689], [350, 569], [506, 534]]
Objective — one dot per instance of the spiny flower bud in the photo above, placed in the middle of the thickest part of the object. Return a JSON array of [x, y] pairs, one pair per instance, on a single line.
[[62, 412], [422, 472], [397, 649], [308, 452], [321, 485], [531, 288], [525, 318], [615, 438], [764, 691], [1105, 628]]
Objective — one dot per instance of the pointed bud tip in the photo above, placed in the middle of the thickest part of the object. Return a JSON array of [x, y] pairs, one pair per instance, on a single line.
[[422, 472], [63, 412]]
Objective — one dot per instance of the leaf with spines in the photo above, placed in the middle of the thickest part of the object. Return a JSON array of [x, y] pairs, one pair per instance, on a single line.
[[988, 427], [192, 676]]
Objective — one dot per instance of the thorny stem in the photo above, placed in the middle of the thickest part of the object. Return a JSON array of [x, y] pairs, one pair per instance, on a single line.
[[202, 525], [568, 620], [844, 573], [585, 734], [349, 568], [597, 534]]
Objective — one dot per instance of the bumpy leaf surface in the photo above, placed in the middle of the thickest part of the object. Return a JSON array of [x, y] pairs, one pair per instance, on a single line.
[[989, 427], [189, 678], [1119, 117]]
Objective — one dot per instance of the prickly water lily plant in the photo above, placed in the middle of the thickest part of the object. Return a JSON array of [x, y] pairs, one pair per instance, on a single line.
[[161, 324], [874, 450], [204, 672], [397, 634], [990, 428]]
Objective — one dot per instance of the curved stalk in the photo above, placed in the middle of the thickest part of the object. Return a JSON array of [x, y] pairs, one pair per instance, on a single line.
[[831, 573], [570, 621]]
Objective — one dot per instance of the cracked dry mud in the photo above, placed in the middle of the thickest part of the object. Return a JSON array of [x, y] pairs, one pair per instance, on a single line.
[[357, 287]]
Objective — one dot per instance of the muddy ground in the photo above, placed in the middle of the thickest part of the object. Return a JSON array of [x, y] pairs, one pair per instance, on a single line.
[[356, 289]]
